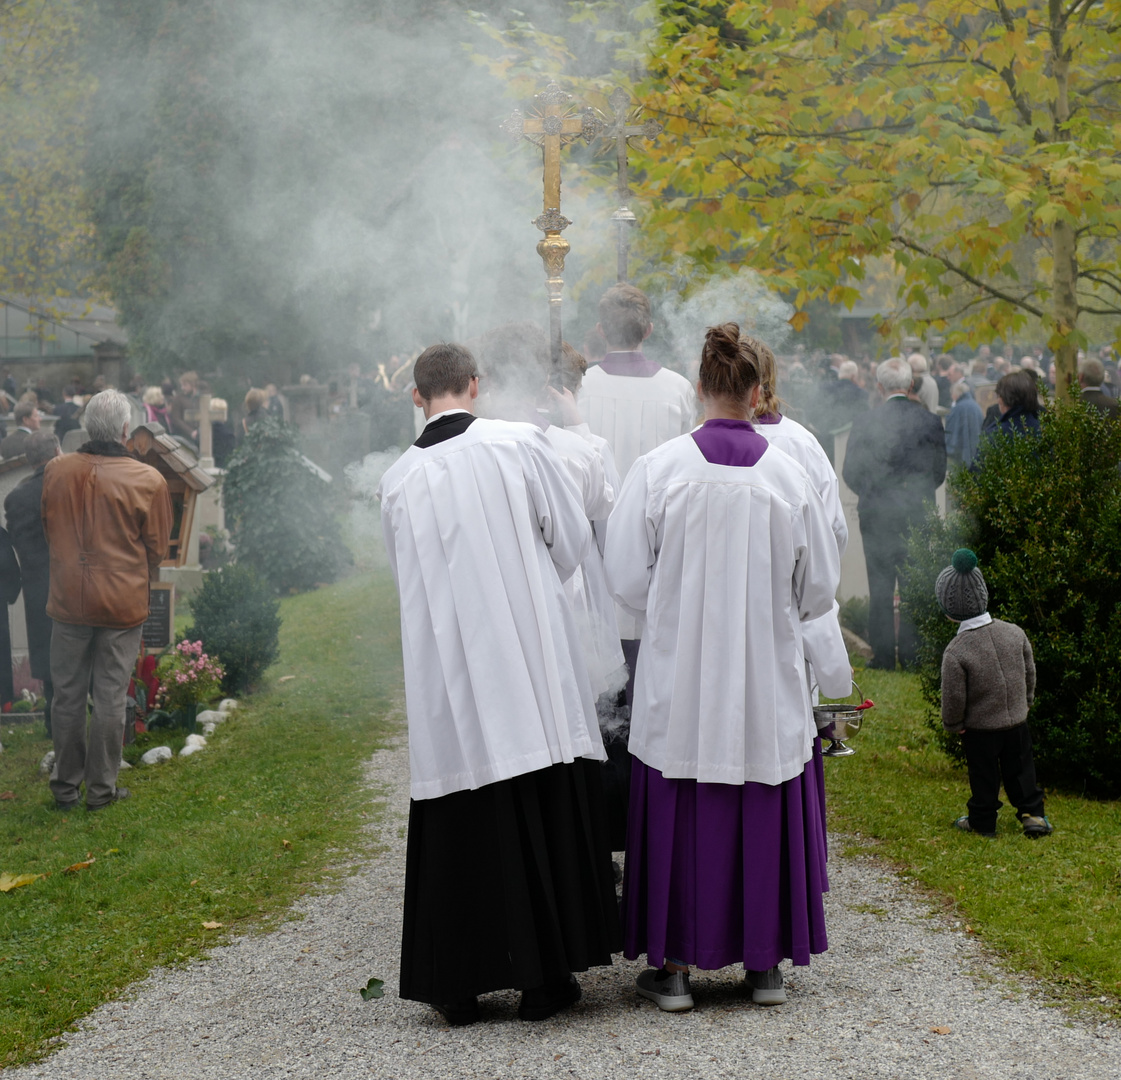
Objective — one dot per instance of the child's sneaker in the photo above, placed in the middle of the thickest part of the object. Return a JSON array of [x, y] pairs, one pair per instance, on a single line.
[[1036, 827], [766, 987], [669, 990], [963, 824]]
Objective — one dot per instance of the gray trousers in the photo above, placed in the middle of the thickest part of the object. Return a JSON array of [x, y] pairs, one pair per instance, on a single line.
[[89, 752]]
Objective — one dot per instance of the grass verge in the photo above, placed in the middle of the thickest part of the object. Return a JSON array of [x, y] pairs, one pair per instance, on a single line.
[[272, 808], [1049, 906]]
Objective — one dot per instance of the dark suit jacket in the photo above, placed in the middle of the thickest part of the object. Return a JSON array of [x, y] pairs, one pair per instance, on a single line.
[[896, 459], [23, 514], [13, 445], [1106, 405]]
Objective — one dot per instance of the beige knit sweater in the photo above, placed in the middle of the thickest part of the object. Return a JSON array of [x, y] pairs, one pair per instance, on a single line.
[[988, 678]]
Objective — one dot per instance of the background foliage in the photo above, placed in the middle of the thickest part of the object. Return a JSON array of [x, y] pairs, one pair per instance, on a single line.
[[1044, 517], [45, 231], [281, 513]]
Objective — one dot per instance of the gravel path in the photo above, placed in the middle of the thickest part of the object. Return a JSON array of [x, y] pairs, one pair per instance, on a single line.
[[285, 1004]]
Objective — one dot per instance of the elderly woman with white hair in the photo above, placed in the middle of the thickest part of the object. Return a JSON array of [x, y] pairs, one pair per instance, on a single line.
[[107, 520]]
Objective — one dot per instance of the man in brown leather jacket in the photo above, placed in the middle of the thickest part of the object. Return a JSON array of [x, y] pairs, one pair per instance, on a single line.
[[107, 519]]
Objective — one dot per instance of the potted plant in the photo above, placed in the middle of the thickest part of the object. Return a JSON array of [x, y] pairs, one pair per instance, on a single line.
[[187, 676]]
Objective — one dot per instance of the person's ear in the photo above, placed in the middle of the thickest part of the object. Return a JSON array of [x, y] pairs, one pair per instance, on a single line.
[[753, 401], [418, 401], [649, 330], [473, 387]]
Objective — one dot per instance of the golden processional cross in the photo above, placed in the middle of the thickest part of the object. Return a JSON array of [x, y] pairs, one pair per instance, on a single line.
[[621, 126], [554, 123]]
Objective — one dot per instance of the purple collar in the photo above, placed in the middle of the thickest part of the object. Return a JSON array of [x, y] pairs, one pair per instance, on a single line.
[[770, 418], [730, 442], [633, 364]]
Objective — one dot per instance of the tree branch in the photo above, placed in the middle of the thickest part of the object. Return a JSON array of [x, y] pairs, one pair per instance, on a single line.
[[965, 275], [1086, 276]]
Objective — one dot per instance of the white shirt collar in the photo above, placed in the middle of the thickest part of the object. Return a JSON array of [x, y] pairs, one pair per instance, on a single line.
[[975, 623], [446, 412]]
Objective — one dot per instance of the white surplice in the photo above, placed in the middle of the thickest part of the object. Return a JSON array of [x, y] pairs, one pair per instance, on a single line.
[[480, 530], [727, 563], [636, 414], [586, 590], [824, 644]]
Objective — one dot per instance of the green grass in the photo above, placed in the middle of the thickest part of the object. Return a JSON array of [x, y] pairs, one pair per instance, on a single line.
[[273, 808], [1050, 906], [203, 838]]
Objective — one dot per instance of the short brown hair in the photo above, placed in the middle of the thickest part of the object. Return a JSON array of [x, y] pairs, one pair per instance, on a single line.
[[189, 377], [729, 365], [624, 316], [573, 366], [22, 411], [444, 369]]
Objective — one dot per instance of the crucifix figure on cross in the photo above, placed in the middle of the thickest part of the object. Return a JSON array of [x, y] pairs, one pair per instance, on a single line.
[[553, 123], [618, 128]]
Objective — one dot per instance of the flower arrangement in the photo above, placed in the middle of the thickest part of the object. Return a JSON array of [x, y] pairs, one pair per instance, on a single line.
[[188, 676]]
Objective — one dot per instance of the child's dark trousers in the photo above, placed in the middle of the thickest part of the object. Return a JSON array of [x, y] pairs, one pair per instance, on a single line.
[[993, 756]]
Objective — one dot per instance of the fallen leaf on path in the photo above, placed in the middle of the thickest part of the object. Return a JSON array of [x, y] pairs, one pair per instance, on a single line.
[[940, 1030], [73, 868], [7, 794], [285, 678], [286, 843], [212, 926], [372, 989], [8, 882]]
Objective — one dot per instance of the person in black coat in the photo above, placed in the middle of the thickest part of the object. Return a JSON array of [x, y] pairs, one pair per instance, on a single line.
[[23, 514], [896, 459], [1091, 377]]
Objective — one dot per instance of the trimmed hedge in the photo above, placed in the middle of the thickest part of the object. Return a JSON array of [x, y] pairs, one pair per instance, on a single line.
[[1043, 515]]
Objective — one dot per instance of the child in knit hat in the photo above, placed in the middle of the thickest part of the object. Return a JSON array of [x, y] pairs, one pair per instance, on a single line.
[[988, 683]]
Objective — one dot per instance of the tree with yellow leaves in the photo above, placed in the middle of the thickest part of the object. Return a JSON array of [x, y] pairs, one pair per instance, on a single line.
[[44, 230], [977, 142]]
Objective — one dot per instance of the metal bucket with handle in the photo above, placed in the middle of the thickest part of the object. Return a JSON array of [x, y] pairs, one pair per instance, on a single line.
[[839, 721]]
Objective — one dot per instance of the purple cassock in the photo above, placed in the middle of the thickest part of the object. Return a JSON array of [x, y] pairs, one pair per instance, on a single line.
[[721, 874]]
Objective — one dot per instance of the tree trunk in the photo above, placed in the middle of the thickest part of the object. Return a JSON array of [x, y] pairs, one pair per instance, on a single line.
[[1064, 273], [1064, 307]]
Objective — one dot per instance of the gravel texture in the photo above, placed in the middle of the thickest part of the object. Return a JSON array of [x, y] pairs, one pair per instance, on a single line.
[[286, 1004]]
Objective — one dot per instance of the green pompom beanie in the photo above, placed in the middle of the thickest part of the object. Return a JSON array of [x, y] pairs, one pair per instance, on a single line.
[[961, 589]]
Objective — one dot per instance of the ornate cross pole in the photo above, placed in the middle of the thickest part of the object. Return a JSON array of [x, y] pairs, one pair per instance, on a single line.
[[552, 124], [620, 127]]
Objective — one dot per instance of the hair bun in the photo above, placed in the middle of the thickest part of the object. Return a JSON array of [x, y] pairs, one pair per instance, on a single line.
[[964, 561], [722, 342]]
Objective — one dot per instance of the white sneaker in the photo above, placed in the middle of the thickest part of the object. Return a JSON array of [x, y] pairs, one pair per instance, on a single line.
[[766, 987], [669, 990]]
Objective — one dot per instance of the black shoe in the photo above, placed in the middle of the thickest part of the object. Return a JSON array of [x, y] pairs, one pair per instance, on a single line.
[[544, 1001], [64, 806], [460, 1013], [119, 795]]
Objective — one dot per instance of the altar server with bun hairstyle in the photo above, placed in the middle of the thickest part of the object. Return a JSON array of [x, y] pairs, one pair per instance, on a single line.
[[508, 879], [723, 544]]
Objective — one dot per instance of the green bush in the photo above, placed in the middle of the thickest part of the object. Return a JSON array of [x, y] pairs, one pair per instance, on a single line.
[[854, 615], [281, 513], [237, 618], [1044, 517]]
